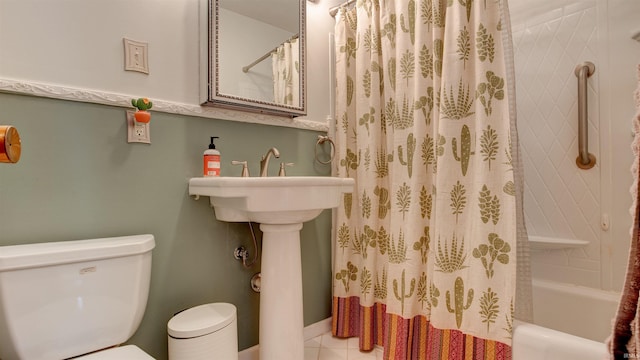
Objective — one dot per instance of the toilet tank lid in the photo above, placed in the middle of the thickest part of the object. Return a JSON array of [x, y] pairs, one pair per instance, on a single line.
[[14, 257], [201, 320]]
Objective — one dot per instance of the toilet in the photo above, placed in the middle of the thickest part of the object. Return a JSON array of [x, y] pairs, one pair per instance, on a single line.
[[77, 299]]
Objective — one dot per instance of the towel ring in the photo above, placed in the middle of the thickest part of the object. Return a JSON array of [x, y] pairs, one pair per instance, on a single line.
[[321, 140]]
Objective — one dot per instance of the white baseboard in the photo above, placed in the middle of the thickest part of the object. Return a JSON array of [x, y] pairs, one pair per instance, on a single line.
[[311, 331]]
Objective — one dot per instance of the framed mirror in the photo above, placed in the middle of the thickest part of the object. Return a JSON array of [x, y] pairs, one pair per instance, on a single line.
[[253, 55]]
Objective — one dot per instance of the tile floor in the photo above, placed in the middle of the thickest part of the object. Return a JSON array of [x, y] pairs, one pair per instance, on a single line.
[[326, 347]]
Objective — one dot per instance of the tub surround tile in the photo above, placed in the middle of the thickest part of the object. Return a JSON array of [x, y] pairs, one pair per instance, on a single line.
[[560, 200]]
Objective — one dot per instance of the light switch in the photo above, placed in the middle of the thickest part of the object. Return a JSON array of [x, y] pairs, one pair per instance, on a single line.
[[136, 56]]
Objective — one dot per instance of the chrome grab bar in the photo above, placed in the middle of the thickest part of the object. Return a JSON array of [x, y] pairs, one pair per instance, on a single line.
[[585, 160]]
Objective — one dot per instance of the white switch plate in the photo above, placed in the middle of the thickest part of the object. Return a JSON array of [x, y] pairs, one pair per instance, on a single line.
[[137, 132], [136, 56]]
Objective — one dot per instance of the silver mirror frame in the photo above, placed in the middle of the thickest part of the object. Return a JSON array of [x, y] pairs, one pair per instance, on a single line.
[[210, 94]]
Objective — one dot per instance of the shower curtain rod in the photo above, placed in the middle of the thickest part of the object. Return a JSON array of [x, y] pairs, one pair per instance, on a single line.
[[266, 55], [334, 10]]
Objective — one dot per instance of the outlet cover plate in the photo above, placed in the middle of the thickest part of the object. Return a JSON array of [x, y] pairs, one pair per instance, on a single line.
[[137, 132], [136, 56]]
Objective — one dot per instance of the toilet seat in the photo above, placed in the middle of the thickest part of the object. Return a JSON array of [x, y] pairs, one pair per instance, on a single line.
[[129, 352]]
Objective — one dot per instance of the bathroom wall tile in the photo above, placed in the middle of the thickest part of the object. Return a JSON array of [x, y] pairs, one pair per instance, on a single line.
[[552, 180], [550, 257], [566, 274], [583, 263], [560, 200], [589, 206], [577, 187], [567, 100], [593, 250], [598, 31]]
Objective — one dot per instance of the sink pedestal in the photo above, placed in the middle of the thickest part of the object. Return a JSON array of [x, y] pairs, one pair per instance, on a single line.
[[281, 315]]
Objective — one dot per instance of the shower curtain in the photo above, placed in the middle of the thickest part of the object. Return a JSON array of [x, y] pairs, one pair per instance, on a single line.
[[286, 73], [425, 260]]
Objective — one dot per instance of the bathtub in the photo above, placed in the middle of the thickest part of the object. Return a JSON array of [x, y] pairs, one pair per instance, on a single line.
[[571, 322], [576, 310], [533, 342]]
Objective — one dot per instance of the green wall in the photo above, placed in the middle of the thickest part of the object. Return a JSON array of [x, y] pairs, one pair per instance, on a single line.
[[78, 178]]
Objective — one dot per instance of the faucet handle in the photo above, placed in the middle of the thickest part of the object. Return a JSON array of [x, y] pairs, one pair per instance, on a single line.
[[245, 169], [282, 165]]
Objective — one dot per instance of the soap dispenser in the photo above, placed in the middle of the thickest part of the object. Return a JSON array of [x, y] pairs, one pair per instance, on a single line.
[[211, 165]]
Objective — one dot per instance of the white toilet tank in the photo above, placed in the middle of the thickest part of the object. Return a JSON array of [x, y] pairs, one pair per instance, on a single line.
[[63, 299]]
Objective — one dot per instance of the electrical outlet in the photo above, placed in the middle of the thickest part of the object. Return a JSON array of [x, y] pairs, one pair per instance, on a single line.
[[137, 132]]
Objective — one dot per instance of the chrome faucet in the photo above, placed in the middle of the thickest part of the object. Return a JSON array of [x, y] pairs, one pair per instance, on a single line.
[[264, 163]]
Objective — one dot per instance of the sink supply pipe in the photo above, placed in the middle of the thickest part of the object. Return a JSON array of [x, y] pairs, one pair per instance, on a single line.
[[240, 253]]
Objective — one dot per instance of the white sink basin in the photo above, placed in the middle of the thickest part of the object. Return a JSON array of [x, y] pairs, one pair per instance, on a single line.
[[271, 200]]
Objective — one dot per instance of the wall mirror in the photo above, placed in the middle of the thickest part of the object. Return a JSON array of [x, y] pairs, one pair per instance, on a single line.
[[253, 55]]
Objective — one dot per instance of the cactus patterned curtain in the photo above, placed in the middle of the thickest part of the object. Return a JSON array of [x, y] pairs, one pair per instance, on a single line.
[[286, 73], [425, 261]]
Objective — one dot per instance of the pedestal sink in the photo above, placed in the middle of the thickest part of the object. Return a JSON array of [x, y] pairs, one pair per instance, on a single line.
[[280, 205]]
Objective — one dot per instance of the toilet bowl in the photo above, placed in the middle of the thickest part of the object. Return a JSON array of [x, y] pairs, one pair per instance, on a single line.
[[66, 299]]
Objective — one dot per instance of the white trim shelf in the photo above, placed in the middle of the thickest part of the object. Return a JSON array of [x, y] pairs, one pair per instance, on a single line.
[[551, 243], [61, 92]]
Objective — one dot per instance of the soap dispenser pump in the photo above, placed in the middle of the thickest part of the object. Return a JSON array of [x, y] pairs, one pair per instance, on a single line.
[[211, 166]]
